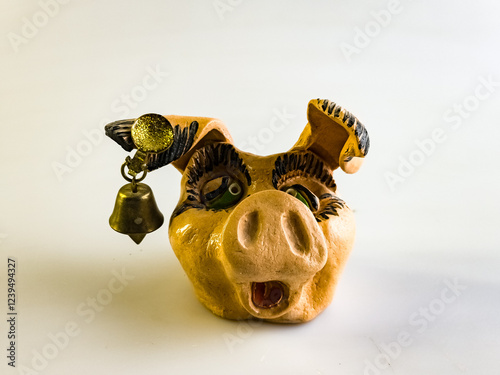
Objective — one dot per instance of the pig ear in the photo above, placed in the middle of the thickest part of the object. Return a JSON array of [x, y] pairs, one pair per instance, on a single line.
[[208, 130], [335, 135], [190, 133]]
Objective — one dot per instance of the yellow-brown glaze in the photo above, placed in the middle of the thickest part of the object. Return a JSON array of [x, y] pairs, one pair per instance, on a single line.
[[221, 269]]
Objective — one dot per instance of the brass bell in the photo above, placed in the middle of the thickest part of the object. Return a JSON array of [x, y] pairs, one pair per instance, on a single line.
[[136, 213]]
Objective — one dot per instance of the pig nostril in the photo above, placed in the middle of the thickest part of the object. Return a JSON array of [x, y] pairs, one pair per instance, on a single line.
[[248, 228], [296, 233]]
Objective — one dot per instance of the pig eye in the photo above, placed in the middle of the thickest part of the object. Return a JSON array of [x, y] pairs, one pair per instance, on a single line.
[[221, 192], [304, 195]]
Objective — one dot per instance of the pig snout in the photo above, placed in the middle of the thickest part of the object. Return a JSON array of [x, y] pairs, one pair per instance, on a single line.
[[272, 247]]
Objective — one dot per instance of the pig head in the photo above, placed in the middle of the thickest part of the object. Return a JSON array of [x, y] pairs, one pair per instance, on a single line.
[[262, 236]]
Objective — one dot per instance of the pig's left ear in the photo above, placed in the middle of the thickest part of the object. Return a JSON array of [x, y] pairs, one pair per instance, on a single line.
[[335, 135], [189, 133]]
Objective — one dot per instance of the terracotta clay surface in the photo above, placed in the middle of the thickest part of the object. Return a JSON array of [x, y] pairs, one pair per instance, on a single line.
[[264, 236]]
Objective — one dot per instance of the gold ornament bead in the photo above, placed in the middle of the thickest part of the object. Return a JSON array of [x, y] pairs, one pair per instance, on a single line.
[[152, 133]]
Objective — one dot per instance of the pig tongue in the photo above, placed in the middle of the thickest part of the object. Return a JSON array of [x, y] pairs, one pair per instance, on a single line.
[[267, 294]]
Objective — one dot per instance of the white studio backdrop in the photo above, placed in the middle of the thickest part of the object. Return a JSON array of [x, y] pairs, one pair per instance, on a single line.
[[420, 291]]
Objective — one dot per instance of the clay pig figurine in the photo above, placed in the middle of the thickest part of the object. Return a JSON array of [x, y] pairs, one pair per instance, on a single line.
[[261, 236]]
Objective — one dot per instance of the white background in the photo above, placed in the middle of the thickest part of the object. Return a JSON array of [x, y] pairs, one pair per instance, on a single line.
[[436, 226]]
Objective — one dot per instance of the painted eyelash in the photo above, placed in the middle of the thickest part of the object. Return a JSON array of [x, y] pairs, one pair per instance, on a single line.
[[205, 161], [333, 203], [212, 156], [306, 164]]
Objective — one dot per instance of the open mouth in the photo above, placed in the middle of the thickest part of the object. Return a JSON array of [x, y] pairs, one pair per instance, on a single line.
[[268, 299], [268, 294]]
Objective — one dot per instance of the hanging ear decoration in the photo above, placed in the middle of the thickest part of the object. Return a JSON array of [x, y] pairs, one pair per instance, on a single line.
[[136, 213]]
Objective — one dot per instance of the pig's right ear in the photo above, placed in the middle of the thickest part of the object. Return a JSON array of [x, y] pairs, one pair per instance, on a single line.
[[335, 135], [209, 130], [190, 133]]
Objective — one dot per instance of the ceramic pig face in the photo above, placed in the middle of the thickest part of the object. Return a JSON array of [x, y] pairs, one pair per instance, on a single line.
[[263, 236]]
